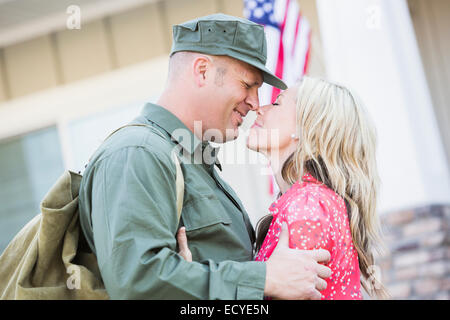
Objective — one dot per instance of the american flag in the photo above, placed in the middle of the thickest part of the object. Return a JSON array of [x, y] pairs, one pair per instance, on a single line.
[[288, 35]]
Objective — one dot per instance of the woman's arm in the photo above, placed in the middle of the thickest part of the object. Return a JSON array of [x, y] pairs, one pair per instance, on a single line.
[[309, 224]]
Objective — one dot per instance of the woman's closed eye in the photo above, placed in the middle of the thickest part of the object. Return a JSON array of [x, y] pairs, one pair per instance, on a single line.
[[276, 102]]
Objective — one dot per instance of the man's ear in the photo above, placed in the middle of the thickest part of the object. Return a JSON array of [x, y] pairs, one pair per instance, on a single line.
[[201, 69]]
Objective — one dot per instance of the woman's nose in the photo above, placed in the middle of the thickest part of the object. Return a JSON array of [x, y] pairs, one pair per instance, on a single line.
[[262, 109]]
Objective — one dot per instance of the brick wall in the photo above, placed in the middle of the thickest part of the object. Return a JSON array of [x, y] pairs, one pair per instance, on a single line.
[[417, 264]]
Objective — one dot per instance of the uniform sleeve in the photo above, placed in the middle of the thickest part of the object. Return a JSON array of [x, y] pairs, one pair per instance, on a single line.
[[134, 224], [309, 224]]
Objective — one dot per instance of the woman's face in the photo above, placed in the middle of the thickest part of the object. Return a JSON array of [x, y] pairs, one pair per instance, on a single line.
[[275, 124]]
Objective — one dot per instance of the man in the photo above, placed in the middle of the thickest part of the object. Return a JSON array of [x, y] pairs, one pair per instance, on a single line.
[[128, 197]]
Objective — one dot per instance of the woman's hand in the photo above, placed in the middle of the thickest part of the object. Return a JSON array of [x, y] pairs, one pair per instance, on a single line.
[[183, 245]]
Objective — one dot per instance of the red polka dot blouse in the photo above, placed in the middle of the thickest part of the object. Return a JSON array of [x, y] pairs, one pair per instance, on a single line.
[[317, 218]]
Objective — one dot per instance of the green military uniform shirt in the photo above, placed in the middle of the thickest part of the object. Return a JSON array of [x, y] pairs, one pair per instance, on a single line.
[[128, 215]]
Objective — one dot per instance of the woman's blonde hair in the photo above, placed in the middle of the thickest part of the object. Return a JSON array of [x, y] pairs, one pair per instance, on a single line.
[[337, 145]]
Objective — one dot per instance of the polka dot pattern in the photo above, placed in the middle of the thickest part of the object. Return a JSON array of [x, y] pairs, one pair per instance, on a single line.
[[317, 218]]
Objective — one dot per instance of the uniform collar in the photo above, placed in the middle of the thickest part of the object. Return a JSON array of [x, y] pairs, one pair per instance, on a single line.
[[178, 131]]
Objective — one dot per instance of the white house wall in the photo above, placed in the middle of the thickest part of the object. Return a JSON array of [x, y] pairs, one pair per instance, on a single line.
[[370, 45]]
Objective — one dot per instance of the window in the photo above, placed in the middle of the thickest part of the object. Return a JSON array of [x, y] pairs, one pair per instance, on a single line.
[[29, 166], [85, 135]]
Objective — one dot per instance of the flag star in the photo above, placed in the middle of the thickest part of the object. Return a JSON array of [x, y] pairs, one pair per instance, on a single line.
[[251, 5], [267, 7], [258, 13]]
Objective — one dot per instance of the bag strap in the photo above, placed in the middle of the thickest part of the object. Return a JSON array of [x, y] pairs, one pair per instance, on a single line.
[[179, 180], [179, 185]]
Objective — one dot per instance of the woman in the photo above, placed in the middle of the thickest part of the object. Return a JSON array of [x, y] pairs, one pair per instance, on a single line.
[[321, 146]]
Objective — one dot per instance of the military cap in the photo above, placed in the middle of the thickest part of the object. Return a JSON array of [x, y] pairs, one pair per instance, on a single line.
[[221, 34]]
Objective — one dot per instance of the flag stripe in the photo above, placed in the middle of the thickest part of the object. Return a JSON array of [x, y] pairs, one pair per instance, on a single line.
[[308, 51], [280, 62], [297, 26]]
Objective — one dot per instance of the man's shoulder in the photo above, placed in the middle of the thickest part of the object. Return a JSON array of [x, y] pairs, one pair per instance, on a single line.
[[140, 136], [146, 137]]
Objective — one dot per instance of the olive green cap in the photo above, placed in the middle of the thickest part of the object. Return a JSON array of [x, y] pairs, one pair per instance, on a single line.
[[221, 34]]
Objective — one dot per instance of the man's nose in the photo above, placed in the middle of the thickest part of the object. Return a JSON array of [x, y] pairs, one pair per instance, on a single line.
[[252, 100]]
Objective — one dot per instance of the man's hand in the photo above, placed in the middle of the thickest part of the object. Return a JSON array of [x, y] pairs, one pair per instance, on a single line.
[[183, 245], [296, 274]]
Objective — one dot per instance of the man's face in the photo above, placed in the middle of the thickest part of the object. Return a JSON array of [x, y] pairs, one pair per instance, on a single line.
[[233, 93]]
